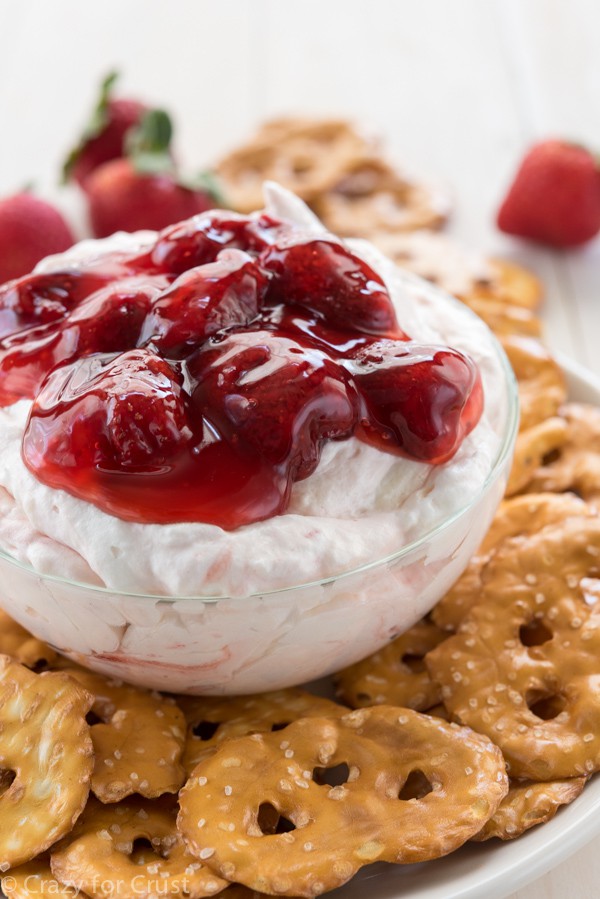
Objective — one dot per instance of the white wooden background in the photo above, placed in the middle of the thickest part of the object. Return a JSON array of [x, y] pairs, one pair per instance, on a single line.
[[458, 88]]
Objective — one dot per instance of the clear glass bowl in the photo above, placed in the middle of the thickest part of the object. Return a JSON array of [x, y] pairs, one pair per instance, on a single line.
[[227, 645]]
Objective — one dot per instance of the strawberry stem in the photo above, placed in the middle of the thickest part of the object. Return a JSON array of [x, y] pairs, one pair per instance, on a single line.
[[148, 145]]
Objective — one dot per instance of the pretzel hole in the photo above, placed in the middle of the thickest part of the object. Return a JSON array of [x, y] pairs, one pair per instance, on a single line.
[[279, 726], [271, 821], [413, 662], [535, 633], [545, 706], [143, 852], [416, 786], [92, 718], [39, 665], [206, 730], [552, 456], [333, 777], [7, 776]]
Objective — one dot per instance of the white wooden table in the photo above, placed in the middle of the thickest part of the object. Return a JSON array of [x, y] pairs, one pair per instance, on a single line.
[[459, 89]]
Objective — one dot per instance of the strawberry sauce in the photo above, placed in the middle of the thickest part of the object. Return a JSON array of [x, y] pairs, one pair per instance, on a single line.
[[198, 380]]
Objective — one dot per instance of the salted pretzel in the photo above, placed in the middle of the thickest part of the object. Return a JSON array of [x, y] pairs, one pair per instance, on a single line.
[[461, 272], [519, 516], [524, 666], [527, 804], [213, 719], [307, 156], [505, 319], [22, 646], [396, 675], [542, 387], [575, 463], [36, 879], [394, 204], [532, 447], [138, 739], [405, 773], [512, 284], [104, 849], [46, 755]]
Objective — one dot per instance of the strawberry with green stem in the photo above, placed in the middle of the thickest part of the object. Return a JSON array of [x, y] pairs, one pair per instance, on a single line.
[[104, 136], [143, 189]]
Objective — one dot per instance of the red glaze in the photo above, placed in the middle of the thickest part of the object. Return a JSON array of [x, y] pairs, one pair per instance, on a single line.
[[420, 399], [107, 321], [266, 391], [205, 300], [204, 386], [200, 239], [325, 277]]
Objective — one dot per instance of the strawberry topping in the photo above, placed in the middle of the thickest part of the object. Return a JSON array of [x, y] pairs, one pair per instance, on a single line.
[[206, 376]]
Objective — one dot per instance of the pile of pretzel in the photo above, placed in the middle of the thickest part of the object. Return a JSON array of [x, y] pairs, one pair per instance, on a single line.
[[479, 722]]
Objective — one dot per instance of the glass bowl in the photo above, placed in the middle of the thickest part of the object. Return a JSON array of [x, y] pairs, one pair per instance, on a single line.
[[266, 641]]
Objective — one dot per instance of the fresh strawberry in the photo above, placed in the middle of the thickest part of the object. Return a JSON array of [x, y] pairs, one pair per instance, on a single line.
[[143, 190], [30, 229], [104, 136], [555, 197], [325, 277]]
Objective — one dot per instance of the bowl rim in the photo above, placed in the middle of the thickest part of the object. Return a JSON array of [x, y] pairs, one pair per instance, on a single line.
[[505, 450]]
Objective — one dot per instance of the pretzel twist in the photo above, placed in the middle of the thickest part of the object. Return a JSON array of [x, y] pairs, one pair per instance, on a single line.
[[45, 743], [460, 781], [524, 667]]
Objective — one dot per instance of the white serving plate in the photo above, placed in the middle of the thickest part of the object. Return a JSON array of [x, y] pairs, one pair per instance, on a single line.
[[493, 870]]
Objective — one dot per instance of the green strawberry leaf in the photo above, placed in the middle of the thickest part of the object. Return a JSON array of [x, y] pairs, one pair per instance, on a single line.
[[148, 146]]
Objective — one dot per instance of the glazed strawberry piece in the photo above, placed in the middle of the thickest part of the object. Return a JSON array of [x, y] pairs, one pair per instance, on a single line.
[[41, 298], [421, 400], [107, 321], [200, 239], [115, 412], [116, 430], [204, 300], [325, 277], [274, 395]]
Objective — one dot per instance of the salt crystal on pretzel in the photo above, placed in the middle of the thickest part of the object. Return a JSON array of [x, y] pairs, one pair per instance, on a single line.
[[22, 646], [414, 788], [214, 719], [527, 804], [45, 742], [138, 739], [519, 516], [396, 675], [524, 667], [103, 856], [575, 463]]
